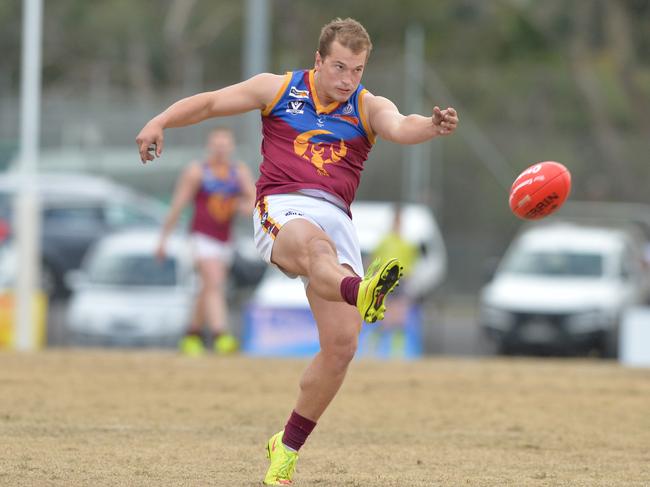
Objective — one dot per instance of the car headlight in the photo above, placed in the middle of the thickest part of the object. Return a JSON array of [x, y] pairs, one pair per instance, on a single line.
[[497, 318]]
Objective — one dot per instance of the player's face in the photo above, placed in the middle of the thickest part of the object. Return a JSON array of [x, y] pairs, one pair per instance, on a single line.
[[220, 144], [339, 73]]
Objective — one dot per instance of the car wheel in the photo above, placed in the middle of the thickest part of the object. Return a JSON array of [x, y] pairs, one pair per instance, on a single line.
[[506, 347], [609, 343], [247, 272]]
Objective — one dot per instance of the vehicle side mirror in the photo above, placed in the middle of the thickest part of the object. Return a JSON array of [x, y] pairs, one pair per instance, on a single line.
[[76, 279]]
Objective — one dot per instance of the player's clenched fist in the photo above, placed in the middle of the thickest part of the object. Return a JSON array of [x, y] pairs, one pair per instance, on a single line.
[[150, 142], [445, 120]]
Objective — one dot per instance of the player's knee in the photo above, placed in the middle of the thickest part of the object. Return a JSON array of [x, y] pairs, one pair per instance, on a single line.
[[320, 245], [341, 352], [213, 286]]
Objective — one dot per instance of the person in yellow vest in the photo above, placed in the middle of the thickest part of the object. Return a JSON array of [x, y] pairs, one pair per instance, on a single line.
[[395, 245]]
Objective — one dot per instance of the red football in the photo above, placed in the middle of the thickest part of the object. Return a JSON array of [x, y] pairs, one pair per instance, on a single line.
[[540, 190]]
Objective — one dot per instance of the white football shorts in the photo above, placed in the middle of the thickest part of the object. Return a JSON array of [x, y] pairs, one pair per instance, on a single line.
[[276, 210], [206, 247]]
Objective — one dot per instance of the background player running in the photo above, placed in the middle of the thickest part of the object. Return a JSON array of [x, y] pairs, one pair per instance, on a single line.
[[217, 188]]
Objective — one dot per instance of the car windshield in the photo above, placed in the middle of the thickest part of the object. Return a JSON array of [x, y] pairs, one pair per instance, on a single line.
[[71, 217], [124, 215], [132, 270], [560, 263]]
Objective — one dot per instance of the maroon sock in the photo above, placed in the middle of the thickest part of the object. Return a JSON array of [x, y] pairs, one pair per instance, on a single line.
[[350, 289], [297, 430]]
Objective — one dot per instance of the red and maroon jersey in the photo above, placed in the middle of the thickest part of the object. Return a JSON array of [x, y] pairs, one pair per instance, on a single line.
[[310, 146], [215, 203]]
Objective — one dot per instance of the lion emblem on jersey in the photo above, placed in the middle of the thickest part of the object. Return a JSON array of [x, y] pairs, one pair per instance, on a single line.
[[221, 208], [319, 153]]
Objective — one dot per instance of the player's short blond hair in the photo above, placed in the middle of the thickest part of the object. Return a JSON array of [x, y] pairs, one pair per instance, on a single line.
[[347, 32]]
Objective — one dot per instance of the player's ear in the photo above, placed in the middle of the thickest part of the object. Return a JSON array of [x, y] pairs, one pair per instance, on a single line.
[[318, 60]]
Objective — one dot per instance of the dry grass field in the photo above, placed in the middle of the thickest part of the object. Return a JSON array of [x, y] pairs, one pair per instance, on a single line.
[[109, 418]]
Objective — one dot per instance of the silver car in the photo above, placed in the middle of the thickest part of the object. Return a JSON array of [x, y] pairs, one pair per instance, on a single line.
[[123, 295]]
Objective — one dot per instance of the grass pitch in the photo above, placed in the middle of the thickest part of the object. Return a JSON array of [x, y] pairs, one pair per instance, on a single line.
[[106, 418]]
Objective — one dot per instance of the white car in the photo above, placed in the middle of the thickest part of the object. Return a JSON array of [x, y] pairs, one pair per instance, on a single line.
[[278, 320], [123, 295], [564, 286]]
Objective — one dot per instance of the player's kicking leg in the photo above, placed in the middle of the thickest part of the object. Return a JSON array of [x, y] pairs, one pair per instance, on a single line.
[[304, 249]]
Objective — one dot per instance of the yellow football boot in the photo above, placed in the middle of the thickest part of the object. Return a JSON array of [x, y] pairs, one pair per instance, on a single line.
[[283, 462], [226, 344], [380, 279], [191, 345]]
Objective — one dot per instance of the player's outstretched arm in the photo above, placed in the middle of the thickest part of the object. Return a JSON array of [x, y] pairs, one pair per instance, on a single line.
[[252, 94], [387, 122]]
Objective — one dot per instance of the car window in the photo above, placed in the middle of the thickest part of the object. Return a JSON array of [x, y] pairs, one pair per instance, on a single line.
[[72, 216], [121, 215], [569, 264], [132, 270]]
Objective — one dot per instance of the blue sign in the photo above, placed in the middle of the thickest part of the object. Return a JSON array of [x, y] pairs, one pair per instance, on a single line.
[[292, 332]]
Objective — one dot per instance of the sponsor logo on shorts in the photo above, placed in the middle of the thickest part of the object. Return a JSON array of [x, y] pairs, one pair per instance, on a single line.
[[296, 93], [264, 217], [295, 107], [293, 213]]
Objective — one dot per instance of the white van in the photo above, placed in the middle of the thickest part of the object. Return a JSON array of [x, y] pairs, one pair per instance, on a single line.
[[278, 320], [564, 286]]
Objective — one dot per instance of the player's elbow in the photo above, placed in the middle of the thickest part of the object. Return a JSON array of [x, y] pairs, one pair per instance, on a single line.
[[213, 104]]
